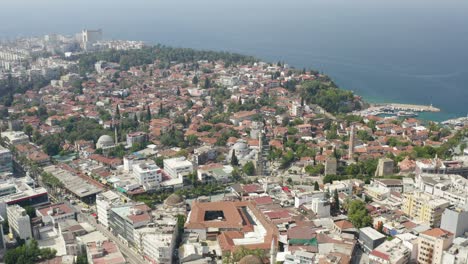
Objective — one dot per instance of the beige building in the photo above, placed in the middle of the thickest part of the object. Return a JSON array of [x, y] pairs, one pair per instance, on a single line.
[[330, 166], [384, 167], [431, 245], [424, 208]]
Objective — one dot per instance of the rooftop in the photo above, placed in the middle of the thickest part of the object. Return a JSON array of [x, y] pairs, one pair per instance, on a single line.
[[372, 233], [437, 233]]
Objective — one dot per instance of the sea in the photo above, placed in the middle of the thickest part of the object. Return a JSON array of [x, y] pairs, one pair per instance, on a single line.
[[386, 51]]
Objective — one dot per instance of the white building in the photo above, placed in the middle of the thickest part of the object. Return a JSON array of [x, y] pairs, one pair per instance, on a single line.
[[104, 201], [149, 175], [410, 241], [451, 187], [128, 162], [300, 257], [13, 138], [177, 167], [390, 252], [296, 109], [340, 186], [19, 221], [307, 197], [17, 190], [455, 220], [321, 207], [158, 247], [457, 253], [56, 213]]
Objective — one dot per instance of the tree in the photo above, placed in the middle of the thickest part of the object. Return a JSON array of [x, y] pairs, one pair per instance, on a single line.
[[358, 214], [117, 112], [316, 186], [29, 253], [42, 112], [51, 144], [82, 259], [159, 161], [207, 83], [161, 109], [290, 181], [36, 136], [31, 211], [336, 201], [249, 168], [192, 140], [195, 80], [178, 91], [234, 160], [235, 174], [148, 113], [28, 130], [77, 86], [287, 159]]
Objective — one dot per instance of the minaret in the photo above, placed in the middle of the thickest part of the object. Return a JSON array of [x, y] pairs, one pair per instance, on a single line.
[[262, 155], [116, 139], [351, 143], [273, 252]]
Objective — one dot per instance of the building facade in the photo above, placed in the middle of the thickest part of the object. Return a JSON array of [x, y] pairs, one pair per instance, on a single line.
[[19, 222], [148, 175], [455, 220], [424, 208], [136, 138], [103, 206], [370, 238], [124, 219], [431, 245], [177, 166], [6, 161]]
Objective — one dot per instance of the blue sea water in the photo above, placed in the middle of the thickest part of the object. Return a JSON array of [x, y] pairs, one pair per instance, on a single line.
[[387, 51]]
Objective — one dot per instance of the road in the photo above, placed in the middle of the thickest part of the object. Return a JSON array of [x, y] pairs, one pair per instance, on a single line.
[[131, 256]]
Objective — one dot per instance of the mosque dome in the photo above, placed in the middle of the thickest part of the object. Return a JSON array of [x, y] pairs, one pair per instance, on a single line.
[[105, 141], [240, 146], [174, 200], [251, 259]]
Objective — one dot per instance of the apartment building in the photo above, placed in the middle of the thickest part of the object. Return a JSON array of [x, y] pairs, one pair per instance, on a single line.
[[103, 206], [148, 175], [19, 222], [424, 208], [431, 245], [124, 219], [177, 166]]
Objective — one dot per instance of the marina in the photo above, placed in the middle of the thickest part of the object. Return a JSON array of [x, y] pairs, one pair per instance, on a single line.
[[394, 109]]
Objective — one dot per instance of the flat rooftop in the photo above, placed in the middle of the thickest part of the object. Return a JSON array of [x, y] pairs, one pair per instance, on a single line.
[[72, 182], [372, 233]]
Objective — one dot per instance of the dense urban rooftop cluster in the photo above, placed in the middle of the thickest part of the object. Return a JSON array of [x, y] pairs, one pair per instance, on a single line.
[[120, 153]]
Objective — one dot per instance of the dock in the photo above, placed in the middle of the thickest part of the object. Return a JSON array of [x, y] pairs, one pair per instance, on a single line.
[[395, 109], [408, 107]]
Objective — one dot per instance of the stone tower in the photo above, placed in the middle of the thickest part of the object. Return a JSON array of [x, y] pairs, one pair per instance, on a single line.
[[352, 143]]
